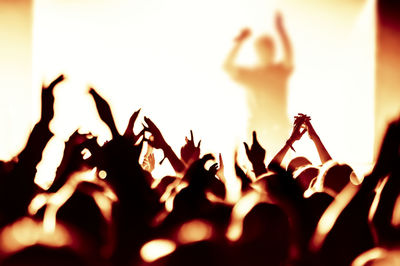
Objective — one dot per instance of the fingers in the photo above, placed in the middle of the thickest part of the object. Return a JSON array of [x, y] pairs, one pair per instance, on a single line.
[[138, 136], [208, 157], [146, 127], [221, 162], [243, 34], [198, 145], [254, 135], [141, 133], [55, 82], [151, 126], [134, 116], [246, 147], [213, 168], [255, 141], [93, 92], [131, 124], [191, 136]]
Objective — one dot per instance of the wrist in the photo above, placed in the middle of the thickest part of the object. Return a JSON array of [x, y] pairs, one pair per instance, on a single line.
[[166, 149], [315, 138], [290, 142], [259, 166]]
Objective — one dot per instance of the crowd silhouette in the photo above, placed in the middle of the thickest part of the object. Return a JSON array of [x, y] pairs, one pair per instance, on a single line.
[[104, 206]]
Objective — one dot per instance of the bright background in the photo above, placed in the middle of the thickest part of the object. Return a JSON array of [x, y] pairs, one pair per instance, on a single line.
[[166, 57]]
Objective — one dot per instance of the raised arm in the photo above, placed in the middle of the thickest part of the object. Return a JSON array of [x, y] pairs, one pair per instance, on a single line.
[[129, 134], [322, 152], [256, 155], [19, 188], [287, 47], [229, 64], [158, 142], [297, 133], [104, 110], [31, 155]]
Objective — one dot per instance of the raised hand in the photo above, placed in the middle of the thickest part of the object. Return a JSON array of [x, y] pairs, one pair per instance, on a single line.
[[48, 99], [221, 170], [297, 132], [311, 131], [190, 152], [213, 169], [256, 155], [149, 162], [278, 20], [129, 129], [104, 110], [244, 34], [157, 141], [322, 151]]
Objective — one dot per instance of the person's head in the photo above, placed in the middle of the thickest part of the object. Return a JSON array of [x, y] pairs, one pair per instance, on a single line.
[[296, 163], [304, 178], [265, 49], [336, 178]]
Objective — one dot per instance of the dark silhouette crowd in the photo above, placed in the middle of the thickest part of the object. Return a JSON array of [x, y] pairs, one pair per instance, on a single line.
[[105, 208]]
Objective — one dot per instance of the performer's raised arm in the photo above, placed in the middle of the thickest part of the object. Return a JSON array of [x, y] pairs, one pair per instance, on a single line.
[[229, 65], [287, 46]]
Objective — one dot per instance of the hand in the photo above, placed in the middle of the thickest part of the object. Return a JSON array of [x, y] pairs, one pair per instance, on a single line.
[[221, 171], [256, 153], [278, 20], [48, 99], [149, 162], [157, 141], [311, 131], [244, 34], [213, 169], [190, 152], [297, 133], [74, 147], [104, 110], [129, 129], [77, 139]]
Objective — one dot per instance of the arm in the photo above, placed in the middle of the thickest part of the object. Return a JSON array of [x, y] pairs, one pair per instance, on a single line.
[[296, 135], [322, 152], [158, 142], [129, 134], [31, 155], [19, 187], [229, 64], [277, 160], [287, 47], [104, 110], [190, 152], [256, 155]]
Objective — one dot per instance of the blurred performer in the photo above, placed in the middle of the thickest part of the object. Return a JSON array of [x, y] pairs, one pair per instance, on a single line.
[[266, 85]]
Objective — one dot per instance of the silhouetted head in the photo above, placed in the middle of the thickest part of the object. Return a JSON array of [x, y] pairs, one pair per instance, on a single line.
[[336, 178], [306, 176], [265, 49], [6, 167], [296, 163]]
